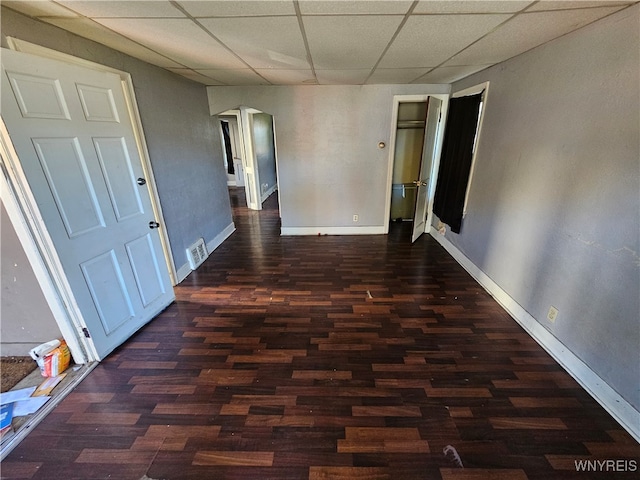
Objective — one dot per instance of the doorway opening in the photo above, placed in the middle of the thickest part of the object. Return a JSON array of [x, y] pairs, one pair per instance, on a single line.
[[249, 152], [407, 158], [415, 143], [230, 133]]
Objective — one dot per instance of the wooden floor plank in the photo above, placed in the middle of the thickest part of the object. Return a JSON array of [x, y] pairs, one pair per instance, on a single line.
[[325, 357]]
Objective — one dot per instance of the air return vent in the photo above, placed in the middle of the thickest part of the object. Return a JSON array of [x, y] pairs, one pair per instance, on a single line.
[[197, 253]]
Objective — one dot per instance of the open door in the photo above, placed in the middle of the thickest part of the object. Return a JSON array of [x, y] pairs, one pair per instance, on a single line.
[[251, 172], [422, 183], [73, 135]]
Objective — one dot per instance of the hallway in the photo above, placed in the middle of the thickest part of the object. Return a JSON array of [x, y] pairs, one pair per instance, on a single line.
[[325, 357]]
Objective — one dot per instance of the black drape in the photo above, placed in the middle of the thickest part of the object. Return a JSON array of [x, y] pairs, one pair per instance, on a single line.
[[455, 161], [227, 147]]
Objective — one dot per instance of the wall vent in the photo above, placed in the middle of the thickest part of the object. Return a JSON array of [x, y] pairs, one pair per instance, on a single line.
[[197, 253]]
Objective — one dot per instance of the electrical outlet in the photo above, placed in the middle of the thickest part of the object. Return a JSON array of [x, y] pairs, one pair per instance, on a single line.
[[552, 314], [356, 218]]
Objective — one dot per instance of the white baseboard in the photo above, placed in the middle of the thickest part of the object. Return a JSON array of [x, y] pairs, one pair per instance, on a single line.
[[621, 410], [221, 237], [182, 272], [332, 230], [268, 193], [185, 269]]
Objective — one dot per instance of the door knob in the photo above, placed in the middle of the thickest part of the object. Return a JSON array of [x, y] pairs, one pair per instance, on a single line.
[[141, 181], [153, 224]]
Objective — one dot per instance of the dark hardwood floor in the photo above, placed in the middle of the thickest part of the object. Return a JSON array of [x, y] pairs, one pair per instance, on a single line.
[[326, 357]]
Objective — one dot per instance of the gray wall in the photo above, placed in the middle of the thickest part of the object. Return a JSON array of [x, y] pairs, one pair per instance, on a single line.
[[183, 139], [25, 317], [264, 149], [329, 163], [553, 213]]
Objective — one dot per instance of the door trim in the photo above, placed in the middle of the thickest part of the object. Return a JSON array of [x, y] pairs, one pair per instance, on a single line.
[[397, 99], [476, 89], [141, 142], [252, 174]]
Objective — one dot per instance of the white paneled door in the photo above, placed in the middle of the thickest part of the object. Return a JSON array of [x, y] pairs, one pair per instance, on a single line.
[[434, 107], [71, 129]]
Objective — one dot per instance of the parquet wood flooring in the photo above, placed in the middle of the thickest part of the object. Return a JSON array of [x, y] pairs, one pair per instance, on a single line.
[[325, 357]]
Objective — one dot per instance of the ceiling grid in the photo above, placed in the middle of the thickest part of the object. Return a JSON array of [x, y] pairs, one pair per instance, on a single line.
[[301, 42]]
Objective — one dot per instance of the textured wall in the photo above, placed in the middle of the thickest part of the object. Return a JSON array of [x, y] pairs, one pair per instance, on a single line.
[[553, 212], [183, 139]]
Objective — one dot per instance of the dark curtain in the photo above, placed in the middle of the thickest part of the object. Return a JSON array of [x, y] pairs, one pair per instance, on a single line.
[[227, 147], [455, 161]]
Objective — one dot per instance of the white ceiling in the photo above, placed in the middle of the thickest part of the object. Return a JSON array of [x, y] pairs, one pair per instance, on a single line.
[[263, 42]]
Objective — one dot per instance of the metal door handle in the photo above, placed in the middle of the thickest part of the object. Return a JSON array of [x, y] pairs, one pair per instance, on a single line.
[[141, 181], [153, 224]]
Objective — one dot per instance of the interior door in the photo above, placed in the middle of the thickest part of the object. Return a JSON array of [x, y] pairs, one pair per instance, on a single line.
[[72, 132], [251, 174], [422, 196]]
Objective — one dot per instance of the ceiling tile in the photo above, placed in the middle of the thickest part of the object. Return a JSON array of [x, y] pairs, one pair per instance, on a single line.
[[526, 31], [433, 36], [450, 74], [504, 6], [180, 39], [96, 32], [342, 77], [235, 8], [396, 75], [195, 76], [349, 42], [554, 5], [265, 42], [362, 7], [239, 76], [39, 8], [288, 77], [123, 9]]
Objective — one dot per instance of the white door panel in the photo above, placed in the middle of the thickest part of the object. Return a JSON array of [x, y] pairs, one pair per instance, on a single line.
[[98, 104], [108, 290], [39, 97], [118, 173], [146, 267], [71, 129], [422, 195], [67, 176]]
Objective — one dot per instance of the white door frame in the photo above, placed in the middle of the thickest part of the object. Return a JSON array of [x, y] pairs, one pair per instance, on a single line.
[[32, 231], [251, 171], [243, 134], [397, 100], [235, 142], [476, 89]]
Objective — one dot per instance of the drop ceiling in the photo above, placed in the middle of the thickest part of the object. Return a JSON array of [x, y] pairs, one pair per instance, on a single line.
[[273, 42]]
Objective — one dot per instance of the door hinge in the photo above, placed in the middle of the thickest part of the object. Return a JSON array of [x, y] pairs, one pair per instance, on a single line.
[[85, 330], [439, 116]]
